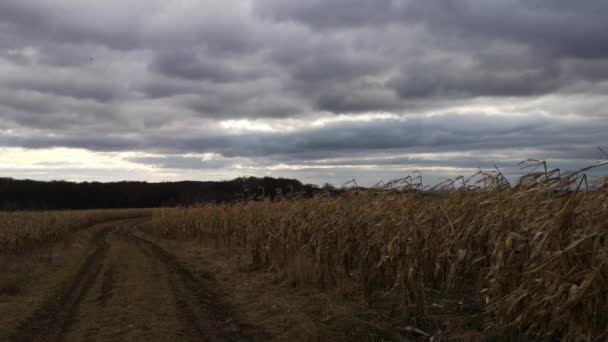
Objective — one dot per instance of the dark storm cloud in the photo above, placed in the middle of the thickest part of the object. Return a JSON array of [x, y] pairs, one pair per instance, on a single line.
[[512, 48], [166, 88], [573, 29], [337, 13], [72, 88], [441, 80], [160, 77], [136, 24], [59, 21], [433, 134], [24, 104], [479, 159], [324, 54], [441, 133], [190, 66], [227, 105], [359, 98], [32, 111], [319, 66]]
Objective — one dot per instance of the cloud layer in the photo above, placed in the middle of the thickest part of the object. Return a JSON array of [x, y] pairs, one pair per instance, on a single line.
[[311, 89]]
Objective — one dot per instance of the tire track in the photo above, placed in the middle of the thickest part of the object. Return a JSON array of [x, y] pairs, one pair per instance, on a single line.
[[169, 302], [107, 284], [54, 318], [198, 308]]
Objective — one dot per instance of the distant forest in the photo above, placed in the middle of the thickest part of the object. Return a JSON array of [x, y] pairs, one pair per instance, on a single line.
[[39, 195]]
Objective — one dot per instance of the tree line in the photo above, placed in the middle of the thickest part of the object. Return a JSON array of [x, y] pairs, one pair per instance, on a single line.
[[51, 195]]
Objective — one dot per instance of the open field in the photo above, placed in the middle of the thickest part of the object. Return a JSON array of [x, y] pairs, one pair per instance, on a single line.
[[511, 263], [499, 261], [303, 171]]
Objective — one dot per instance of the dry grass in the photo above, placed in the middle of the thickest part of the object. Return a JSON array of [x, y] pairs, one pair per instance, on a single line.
[[535, 261], [21, 230]]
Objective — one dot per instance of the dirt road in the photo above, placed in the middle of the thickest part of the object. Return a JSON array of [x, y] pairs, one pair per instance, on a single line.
[[130, 289]]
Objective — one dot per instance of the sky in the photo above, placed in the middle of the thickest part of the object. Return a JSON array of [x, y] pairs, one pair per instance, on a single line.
[[319, 90]]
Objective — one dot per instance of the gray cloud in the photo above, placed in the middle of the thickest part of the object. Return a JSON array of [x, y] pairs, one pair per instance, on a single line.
[[190, 66], [540, 22], [157, 77], [453, 81], [359, 98], [72, 88], [445, 133], [327, 14], [181, 162]]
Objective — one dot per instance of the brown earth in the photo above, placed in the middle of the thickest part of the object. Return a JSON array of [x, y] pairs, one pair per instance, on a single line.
[[125, 289]]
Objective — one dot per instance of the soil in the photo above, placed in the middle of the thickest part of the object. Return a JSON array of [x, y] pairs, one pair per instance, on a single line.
[[130, 289]]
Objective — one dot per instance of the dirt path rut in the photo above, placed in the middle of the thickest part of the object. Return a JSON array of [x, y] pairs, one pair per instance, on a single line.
[[130, 289]]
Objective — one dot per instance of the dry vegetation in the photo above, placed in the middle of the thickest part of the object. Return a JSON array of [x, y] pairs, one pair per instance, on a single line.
[[20, 230], [531, 257]]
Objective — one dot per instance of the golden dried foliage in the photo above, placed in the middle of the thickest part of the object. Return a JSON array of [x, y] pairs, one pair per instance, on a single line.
[[537, 259], [20, 230]]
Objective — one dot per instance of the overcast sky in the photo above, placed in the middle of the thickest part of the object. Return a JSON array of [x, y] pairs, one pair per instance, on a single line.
[[320, 90]]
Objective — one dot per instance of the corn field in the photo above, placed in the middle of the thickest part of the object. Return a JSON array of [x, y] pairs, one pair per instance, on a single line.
[[20, 230], [536, 259]]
